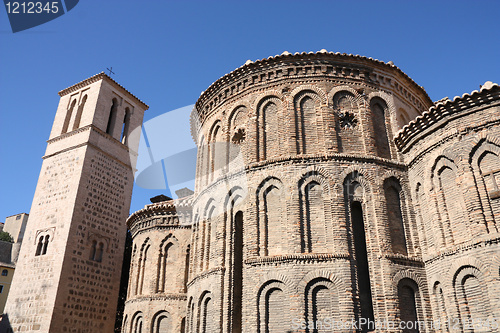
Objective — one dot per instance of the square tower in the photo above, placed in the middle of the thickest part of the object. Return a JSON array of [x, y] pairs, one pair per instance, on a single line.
[[68, 275]]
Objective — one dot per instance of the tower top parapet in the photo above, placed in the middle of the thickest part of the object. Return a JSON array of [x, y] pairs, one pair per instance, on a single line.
[[97, 77]]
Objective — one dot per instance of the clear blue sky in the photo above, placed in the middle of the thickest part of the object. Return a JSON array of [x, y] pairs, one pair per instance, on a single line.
[[167, 52]]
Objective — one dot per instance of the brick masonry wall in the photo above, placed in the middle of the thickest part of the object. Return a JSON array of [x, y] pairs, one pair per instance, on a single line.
[[454, 167], [310, 137]]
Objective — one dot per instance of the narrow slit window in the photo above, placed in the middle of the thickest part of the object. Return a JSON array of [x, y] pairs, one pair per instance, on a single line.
[[39, 246], [112, 117], [125, 127], [45, 244]]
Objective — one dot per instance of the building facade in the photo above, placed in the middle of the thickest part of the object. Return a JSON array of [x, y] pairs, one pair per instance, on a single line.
[[68, 272], [331, 194], [8, 252], [330, 190], [15, 225]]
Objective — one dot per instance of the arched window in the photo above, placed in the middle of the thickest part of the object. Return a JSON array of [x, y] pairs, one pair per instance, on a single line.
[[137, 323], [162, 323], [207, 315], [489, 165], [183, 325], [271, 224], [454, 205], [216, 152], [141, 271], [237, 132], [428, 239], [395, 216], [132, 286], [45, 244], [313, 228], [237, 272], [306, 124], [202, 163], [268, 129], [5, 272], [321, 303], [273, 307], [112, 117], [168, 255], [99, 252], [207, 236], [360, 251], [125, 127], [345, 107], [192, 315], [470, 297], [39, 246], [96, 251], [440, 306], [186, 269], [125, 324], [68, 117], [378, 108], [407, 295], [79, 112], [93, 250], [402, 118]]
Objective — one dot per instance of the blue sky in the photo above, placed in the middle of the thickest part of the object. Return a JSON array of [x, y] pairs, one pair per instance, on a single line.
[[168, 52]]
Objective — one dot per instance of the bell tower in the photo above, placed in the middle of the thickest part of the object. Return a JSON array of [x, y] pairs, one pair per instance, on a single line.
[[68, 274]]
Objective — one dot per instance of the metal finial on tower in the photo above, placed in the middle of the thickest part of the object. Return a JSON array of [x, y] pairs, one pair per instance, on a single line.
[[110, 70]]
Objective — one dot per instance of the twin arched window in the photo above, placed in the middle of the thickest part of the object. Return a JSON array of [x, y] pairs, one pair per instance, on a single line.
[[77, 117], [42, 245], [96, 251]]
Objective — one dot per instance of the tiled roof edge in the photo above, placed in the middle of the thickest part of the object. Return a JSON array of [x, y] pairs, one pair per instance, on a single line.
[[437, 112], [96, 78]]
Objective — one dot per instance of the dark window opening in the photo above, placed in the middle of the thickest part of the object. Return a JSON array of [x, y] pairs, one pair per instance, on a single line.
[[365, 293], [96, 251], [186, 270], [237, 272], [408, 306], [39, 247], [45, 244], [125, 127], [68, 117], [112, 117], [395, 219], [380, 130]]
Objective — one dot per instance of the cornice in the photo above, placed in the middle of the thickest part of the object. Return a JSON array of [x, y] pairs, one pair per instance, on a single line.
[[296, 258], [444, 110], [213, 271], [158, 297], [161, 209], [490, 239], [337, 157], [98, 77], [320, 63]]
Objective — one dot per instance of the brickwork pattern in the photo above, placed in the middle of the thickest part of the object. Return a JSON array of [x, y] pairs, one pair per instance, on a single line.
[[347, 207]]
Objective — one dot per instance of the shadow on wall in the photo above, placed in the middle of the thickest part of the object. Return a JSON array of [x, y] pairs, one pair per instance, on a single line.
[[5, 324]]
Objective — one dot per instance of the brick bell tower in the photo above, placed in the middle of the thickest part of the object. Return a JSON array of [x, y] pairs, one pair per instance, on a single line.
[[68, 274]]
